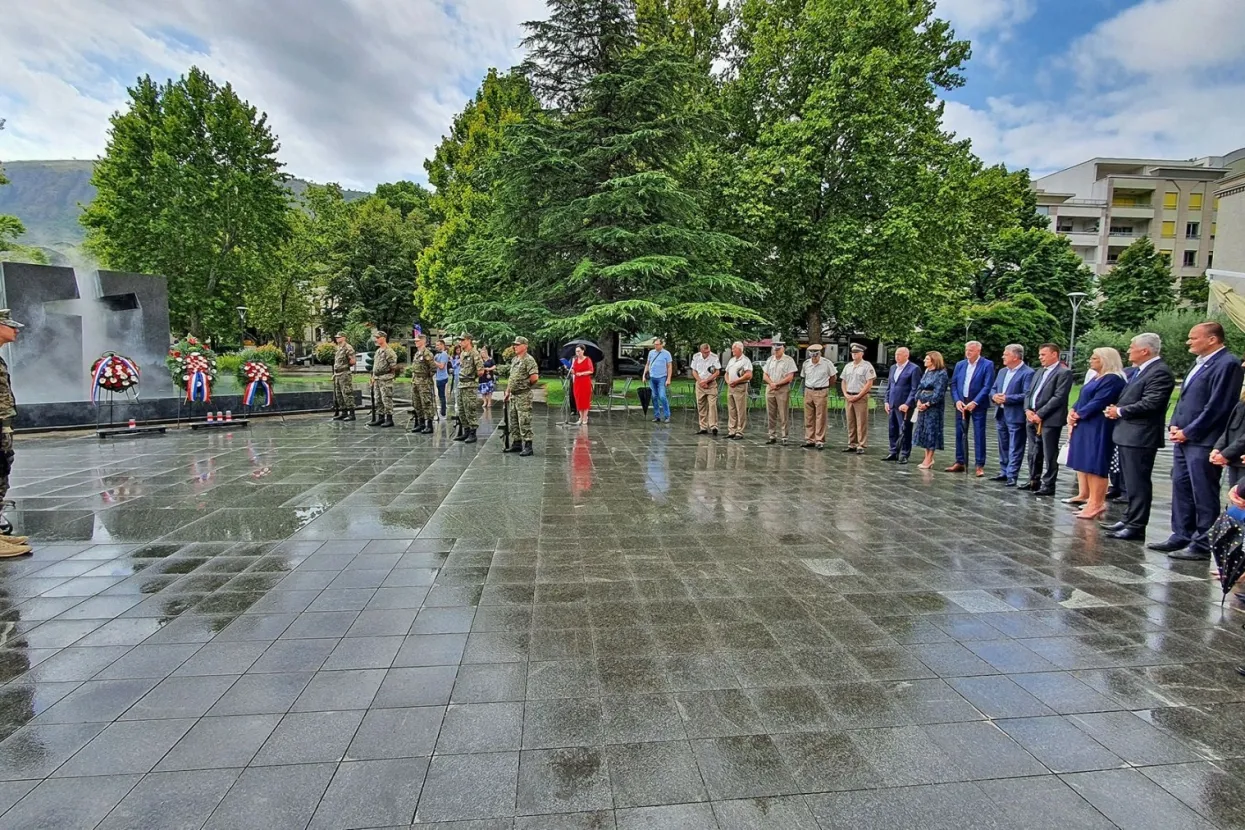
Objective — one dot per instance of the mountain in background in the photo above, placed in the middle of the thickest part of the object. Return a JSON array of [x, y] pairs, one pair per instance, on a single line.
[[47, 196]]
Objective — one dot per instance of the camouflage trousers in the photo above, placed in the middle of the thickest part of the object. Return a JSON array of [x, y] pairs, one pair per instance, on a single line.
[[6, 450], [343, 392], [384, 396], [467, 404], [521, 416], [421, 398]]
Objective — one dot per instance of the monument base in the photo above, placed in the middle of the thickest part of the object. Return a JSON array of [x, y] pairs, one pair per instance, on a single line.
[[130, 432]]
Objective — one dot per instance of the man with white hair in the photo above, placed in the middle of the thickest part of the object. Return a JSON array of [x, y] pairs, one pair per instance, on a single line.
[[738, 376], [970, 389], [1140, 415]]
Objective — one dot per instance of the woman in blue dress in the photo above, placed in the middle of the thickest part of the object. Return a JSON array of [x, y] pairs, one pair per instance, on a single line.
[[1089, 441], [929, 407]]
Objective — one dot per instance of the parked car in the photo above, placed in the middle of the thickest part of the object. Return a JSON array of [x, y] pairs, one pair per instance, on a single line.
[[630, 367], [363, 362]]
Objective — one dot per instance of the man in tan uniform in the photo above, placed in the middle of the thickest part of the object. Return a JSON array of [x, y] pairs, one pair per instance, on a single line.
[[818, 375], [9, 545], [778, 373], [706, 369], [738, 376], [857, 380], [343, 380]]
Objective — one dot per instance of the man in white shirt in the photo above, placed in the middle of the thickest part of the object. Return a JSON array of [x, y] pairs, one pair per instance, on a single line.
[[705, 372], [778, 373], [857, 379], [818, 374], [738, 376]]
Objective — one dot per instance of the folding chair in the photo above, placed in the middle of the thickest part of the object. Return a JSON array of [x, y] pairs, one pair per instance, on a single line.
[[619, 396]]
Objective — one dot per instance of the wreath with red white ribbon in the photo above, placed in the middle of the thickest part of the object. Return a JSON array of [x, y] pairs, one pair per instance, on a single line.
[[114, 373]]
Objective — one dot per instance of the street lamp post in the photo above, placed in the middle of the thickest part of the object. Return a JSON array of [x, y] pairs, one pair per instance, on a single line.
[[967, 321], [1076, 298], [241, 326]]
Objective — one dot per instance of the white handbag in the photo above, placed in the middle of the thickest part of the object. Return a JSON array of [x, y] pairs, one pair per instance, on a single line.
[[1063, 455]]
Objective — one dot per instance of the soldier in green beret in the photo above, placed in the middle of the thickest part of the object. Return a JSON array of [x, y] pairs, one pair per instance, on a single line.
[[524, 374], [423, 370], [384, 371], [9, 545]]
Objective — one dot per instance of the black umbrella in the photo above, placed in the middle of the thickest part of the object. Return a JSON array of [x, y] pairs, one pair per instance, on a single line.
[[1226, 538], [591, 350]]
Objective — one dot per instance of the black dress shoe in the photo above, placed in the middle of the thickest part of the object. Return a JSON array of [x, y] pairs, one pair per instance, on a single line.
[[903, 459], [771, 441], [1240, 670], [1168, 545], [1190, 555], [891, 457], [1113, 493], [1112, 525], [849, 449], [1121, 499], [1132, 534], [1028, 485], [1044, 491], [702, 432], [999, 477]]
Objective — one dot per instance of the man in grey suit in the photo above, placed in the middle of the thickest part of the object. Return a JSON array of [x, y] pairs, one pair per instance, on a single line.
[[1140, 416], [1046, 410]]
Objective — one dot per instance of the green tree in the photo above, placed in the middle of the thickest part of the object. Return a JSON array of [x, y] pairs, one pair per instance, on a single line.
[[190, 187], [604, 238], [456, 268], [847, 182], [1138, 287], [1040, 263], [10, 229], [1195, 291], [1173, 327], [580, 40], [1019, 319], [1100, 337], [407, 197]]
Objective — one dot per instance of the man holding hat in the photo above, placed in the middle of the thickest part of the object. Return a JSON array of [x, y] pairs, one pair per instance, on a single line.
[[343, 383], [857, 379], [818, 374], [524, 374], [467, 392], [423, 370], [384, 372], [9, 545], [778, 373]]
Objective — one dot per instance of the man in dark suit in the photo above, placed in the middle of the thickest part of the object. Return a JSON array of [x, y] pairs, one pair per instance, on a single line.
[[1209, 392], [1011, 385], [1139, 417], [900, 404], [970, 389], [1046, 411]]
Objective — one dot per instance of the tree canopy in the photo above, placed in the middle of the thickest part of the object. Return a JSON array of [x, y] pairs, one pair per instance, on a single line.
[[1138, 287]]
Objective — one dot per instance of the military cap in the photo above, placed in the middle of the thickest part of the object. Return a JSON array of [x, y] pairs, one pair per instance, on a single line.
[[856, 347], [379, 333], [5, 320], [777, 343], [465, 336], [815, 347], [520, 341], [340, 334]]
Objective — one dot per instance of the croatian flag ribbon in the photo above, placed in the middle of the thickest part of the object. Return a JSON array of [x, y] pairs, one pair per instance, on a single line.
[[261, 386], [199, 387]]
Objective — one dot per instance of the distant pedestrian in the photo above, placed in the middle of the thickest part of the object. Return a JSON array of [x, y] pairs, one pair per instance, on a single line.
[[442, 358], [658, 371], [857, 379]]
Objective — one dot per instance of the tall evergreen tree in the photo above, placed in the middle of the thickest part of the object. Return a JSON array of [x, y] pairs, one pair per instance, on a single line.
[[580, 40], [1137, 288], [190, 187]]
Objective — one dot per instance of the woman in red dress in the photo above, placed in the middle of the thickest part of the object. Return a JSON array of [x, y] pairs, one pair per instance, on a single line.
[[581, 383]]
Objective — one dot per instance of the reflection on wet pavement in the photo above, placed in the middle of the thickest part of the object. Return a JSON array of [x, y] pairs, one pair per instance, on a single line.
[[638, 627]]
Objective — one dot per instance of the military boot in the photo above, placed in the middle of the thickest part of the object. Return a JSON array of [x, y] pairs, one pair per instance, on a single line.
[[527, 449], [349, 415], [461, 435], [471, 436], [427, 430], [515, 446], [416, 426], [337, 414], [377, 419], [388, 422]]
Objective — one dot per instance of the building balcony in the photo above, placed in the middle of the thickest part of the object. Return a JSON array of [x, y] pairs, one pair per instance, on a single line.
[[1132, 212], [1082, 238], [1075, 209]]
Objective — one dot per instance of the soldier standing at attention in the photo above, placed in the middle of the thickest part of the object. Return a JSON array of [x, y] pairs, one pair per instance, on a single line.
[[423, 370], [384, 370], [343, 385], [524, 374], [467, 397], [9, 545]]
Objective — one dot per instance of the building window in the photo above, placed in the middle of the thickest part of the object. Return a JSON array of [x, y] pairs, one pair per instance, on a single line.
[[1065, 227], [1193, 230], [1210, 260], [1171, 201], [1214, 226], [1121, 230], [1043, 210], [1195, 201], [1112, 257], [1190, 259], [1169, 230], [1166, 254]]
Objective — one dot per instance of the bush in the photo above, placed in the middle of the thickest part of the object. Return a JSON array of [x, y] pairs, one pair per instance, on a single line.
[[228, 364], [1173, 327], [324, 353]]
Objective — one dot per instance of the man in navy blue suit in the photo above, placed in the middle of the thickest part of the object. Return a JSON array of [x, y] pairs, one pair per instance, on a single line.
[[900, 404], [970, 388], [1209, 392], [1010, 387]]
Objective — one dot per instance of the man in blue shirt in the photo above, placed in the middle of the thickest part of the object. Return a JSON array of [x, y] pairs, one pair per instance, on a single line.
[[442, 377], [658, 370]]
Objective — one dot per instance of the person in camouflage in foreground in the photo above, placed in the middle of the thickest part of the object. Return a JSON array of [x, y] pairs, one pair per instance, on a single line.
[[524, 374], [9, 545]]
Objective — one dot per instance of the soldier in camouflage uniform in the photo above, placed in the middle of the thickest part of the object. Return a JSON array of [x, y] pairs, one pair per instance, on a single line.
[[524, 374], [343, 383], [467, 394], [423, 370], [9, 545], [384, 370]]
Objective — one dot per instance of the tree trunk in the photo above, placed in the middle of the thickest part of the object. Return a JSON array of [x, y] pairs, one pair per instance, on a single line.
[[196, 324], [814, 326], [608, 341]]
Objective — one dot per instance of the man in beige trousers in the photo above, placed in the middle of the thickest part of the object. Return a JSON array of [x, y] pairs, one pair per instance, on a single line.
[[706, 369], [818, 374], [738, 376], [778, 373], [857, 379]]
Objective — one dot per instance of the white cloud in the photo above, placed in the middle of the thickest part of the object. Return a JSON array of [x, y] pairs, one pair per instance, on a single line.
[[1161, 79], [978, 17], [359, 91]]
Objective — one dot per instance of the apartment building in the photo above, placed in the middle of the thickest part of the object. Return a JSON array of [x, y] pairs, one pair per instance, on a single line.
[[1105, 204], [1230, 196]]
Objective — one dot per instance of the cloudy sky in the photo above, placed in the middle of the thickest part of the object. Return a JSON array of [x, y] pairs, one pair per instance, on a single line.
[[360, 91]]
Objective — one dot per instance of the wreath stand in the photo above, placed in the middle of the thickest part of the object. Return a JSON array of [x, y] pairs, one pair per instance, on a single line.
[[110, 430], [248, 411]]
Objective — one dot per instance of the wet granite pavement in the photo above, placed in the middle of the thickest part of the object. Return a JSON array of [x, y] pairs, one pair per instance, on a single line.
[[318, 625]]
